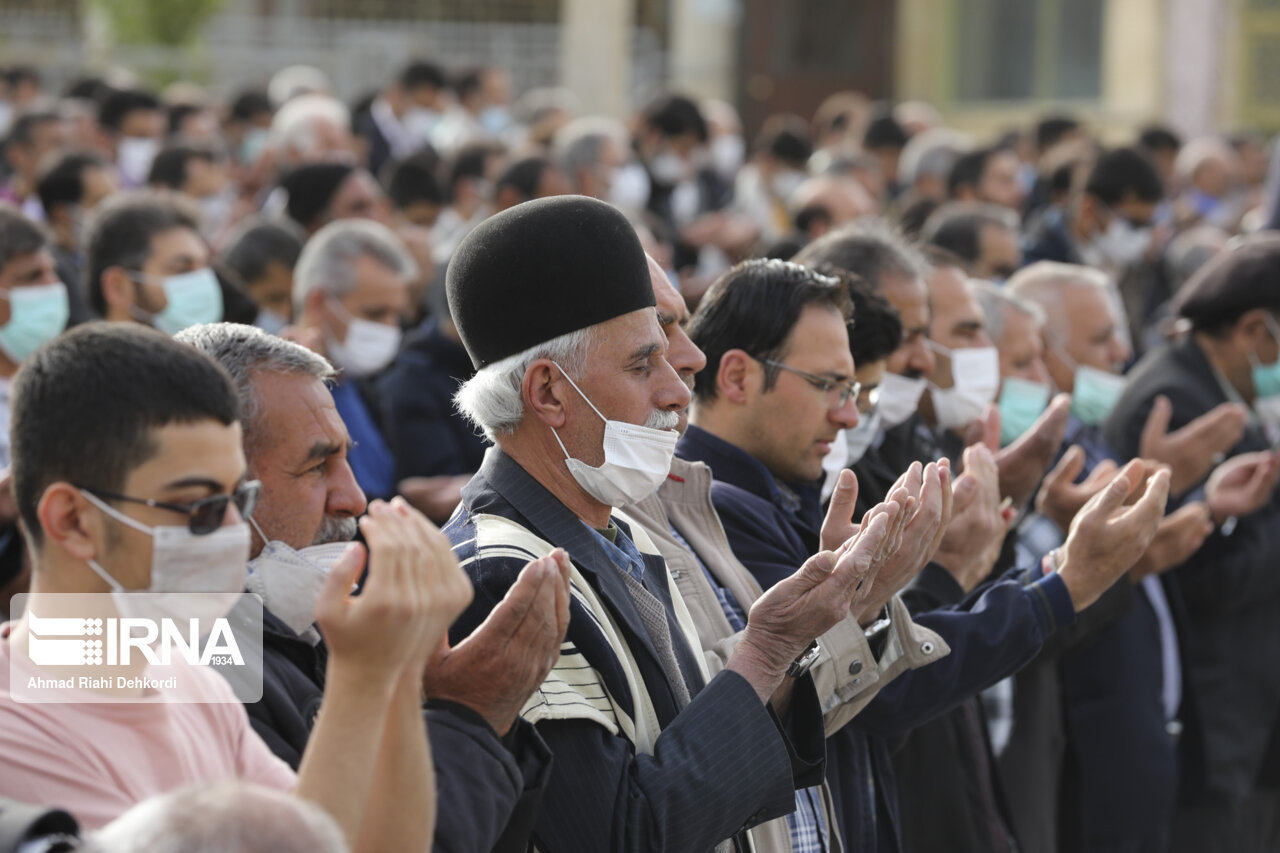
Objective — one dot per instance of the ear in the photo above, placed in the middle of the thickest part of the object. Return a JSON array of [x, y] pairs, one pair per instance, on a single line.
[[544, 393], [1252, 324], [738, 377], [65, 520], [119, 291], [315, 309]]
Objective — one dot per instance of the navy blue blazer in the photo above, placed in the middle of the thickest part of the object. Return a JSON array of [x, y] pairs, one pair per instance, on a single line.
[[723, 763], [774, 527]]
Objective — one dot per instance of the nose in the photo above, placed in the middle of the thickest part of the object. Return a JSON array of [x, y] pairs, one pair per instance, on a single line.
[[345, 497], [1120, 351], [672, 393], [922, 358], [683, 353], [846, 414]]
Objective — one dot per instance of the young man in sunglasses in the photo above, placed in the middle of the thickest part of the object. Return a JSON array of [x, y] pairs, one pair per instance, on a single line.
[[146, 495]]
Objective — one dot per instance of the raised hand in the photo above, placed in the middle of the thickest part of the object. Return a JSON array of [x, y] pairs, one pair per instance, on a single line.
[[979, 521], [1179, 535], [1022, 464], [1061, 497], [1193, 450], [1107, 538], [795, 611], [1242, 485], [413, 593], [494, 670]]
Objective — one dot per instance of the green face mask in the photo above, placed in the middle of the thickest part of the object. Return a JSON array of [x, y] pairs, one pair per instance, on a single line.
[[1021, 402], [1266, 377], [1095, 394]]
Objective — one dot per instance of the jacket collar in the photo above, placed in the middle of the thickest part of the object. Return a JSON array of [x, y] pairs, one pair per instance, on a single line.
[[501, 476], [730, 464]]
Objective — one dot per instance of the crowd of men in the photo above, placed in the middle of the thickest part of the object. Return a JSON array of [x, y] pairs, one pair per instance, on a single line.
[[860, 486]]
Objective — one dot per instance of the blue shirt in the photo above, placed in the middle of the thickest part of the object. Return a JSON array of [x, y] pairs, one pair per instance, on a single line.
[[370, 459]]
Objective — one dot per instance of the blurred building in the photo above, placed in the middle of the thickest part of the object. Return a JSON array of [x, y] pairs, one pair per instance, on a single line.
[[1199, 64]]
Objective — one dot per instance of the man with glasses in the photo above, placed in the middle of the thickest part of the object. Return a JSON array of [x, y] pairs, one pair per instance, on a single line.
[[764, 433], [145, 498], [719, 590]]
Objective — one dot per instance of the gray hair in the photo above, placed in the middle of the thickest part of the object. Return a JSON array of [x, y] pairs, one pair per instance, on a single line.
[[869, 249], [230, 817], [1043, 283], [294, 124], [579, 143], [932, 153], [492, 400], [328, 261], [247, 351], [995, 301]]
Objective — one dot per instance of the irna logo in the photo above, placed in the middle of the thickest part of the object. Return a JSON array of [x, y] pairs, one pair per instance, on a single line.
[[113, 642]]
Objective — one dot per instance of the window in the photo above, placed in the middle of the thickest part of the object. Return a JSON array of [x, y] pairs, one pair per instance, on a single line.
[[1012, 50]]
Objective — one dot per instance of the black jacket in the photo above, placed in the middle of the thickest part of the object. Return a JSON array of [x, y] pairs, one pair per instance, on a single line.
[[488, 790], [426, 434], [1230, 590]]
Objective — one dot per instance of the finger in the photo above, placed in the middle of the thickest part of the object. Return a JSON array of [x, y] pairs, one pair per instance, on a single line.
[[1051, 426], [914, 477], [564, 594], [338, 583], [1100, 475], [991, 427], [1157, 425], [1067, 469], [851, 566], [843, 500], [1105, 502], [1149, 509], [522, 598]]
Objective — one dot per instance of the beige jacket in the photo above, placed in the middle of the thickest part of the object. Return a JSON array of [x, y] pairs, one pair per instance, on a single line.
[[847, 675]]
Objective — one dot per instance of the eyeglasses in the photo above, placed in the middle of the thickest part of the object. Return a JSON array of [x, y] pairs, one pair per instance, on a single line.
[[848, 389], [205, 515]]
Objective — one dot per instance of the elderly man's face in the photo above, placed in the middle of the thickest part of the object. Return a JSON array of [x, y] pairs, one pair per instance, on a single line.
[[957, 318], [298, 450], [1090, 334], [913, 359], [794, 422], [1021, 348], [381, 296], [682, 353], [627, 378]]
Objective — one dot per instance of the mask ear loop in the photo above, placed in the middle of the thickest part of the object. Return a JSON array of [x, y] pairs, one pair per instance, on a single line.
[[555, 434], [123, 519]]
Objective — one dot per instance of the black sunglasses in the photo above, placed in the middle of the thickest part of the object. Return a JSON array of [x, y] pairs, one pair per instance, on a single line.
[[205, 515]]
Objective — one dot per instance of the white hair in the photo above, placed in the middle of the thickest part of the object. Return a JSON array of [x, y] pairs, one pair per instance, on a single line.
[[932, 153], [994, 301], [296, 80], [328, 261], [231, 817], [1199, 151], [293, 127], [492, 400], [1043, 282]]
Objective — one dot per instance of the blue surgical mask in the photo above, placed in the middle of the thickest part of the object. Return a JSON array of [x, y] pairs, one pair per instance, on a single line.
[[1094, 392], [1021, 402], [36, 314], [1266, 377], [191, 299]]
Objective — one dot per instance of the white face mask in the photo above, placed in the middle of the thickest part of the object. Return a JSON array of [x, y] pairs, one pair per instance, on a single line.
[[848, 449], [133, 157], [419, 122], [636, 458], [669, 168], [976, 376], [1122, 244], [290, 580], [728, 152], [785, 183], [368, 347], [899, 398], [182, 563], [629, 187]]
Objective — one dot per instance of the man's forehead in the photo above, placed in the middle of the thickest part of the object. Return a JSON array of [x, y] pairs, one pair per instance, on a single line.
[[298, 409]]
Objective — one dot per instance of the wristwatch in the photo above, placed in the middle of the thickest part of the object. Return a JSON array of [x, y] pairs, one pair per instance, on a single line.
[[801, 665]]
